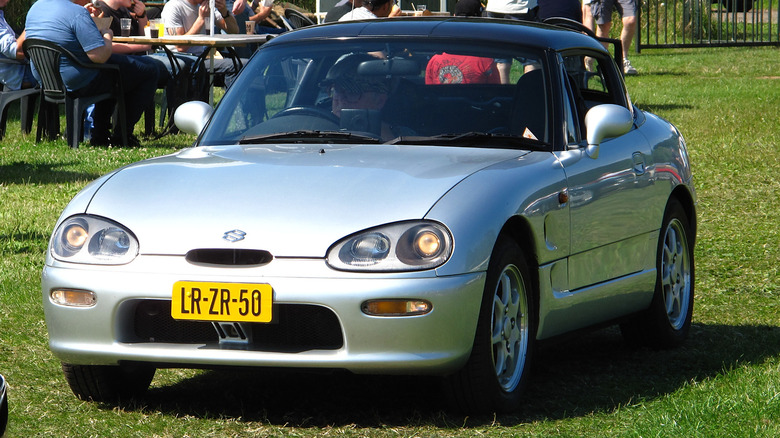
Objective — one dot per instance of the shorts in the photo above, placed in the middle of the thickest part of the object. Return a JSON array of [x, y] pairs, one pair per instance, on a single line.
[[602, 9]]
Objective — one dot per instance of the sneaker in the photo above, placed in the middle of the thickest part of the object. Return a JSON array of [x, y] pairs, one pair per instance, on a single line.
[[628, 69]]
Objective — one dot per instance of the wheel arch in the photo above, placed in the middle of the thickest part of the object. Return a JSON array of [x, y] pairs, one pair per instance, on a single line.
[[518, 228], [684, 196]]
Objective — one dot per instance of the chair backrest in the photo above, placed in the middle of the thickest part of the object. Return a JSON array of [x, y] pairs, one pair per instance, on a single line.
[[46, 57], [297, 19]]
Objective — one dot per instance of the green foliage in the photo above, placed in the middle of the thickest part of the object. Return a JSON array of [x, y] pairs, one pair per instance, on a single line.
[[706, 22], [725, 381], [15, 13]]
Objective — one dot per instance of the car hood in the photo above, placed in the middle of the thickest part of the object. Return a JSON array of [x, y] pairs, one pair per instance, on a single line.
[[291, 200]]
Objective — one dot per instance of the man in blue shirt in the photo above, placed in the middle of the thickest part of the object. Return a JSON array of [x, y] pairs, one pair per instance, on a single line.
[[71, 26], [13, 75]]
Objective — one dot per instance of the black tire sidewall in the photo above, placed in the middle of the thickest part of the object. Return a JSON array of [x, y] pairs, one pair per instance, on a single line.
[[668, 336], [477, 383]]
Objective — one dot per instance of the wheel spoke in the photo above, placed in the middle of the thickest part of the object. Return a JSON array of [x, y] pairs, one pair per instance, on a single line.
[[674, 272], [672, 302], [509, 328], [499, 351]]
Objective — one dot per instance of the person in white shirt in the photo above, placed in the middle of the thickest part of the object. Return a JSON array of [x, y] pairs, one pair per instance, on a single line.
[[371, 9], [514, 9], [193, 17]]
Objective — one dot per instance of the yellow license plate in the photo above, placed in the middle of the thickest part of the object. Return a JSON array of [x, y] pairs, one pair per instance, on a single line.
[[229, 302]]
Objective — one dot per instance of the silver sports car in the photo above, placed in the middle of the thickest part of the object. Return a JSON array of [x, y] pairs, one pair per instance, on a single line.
[[429, 196]]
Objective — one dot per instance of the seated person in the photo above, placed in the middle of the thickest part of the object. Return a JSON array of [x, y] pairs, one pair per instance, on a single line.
[[136, 12], [259, 12], [72, 26], [370, 10], [447, 68], [340, 9], [13, 76], [192, 17], [350, 90]]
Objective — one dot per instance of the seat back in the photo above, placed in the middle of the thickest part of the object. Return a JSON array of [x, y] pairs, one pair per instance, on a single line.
[[46, 56], [297, 19], [529, 116], [27, 98]]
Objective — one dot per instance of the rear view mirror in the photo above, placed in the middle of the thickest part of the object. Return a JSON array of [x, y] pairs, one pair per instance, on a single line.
[[606, 121], [389, 67]]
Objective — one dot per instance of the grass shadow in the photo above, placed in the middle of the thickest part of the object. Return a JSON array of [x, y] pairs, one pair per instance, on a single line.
[[659, 108], [21, 172], [595, 372]]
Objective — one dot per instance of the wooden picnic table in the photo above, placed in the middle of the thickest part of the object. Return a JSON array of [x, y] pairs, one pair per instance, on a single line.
[[220, 40]]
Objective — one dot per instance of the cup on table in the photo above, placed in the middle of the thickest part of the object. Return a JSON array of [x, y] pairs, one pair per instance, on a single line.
[[250, 27], [159, 24], [125, 23]]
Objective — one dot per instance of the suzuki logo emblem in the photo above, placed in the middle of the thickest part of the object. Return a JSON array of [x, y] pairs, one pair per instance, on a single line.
[[234, 235]]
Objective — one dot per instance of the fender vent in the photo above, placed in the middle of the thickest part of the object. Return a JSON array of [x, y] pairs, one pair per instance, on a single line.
[[229, 257]]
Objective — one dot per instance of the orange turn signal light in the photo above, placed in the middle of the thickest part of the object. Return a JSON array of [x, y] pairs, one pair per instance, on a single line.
[[73, 297], [396, 307]]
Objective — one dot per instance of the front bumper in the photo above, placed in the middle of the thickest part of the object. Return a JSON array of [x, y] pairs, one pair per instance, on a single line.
[[109, 332]]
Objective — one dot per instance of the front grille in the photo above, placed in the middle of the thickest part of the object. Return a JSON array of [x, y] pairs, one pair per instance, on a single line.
[[295, 328], [229, 257]]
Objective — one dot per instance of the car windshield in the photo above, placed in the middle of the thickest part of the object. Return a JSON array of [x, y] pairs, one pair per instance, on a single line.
[[399, 91]]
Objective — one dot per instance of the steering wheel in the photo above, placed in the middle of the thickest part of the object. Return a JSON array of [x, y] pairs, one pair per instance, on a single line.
[[308, 111]]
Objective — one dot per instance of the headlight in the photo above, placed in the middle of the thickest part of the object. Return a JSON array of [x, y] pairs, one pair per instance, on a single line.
[[404, 246], [91, 239]]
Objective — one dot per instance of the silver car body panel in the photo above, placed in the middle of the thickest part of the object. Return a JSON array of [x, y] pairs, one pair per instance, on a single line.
[[250, 188], [434, 343]]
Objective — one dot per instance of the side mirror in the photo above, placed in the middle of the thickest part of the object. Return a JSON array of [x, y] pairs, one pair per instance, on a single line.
[[606, 121], [191, 117]]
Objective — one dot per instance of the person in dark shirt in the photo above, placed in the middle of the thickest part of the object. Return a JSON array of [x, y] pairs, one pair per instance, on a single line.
[[571, 9]]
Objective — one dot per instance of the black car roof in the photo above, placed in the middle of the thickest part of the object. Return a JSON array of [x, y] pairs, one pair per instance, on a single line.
[[486, 30]]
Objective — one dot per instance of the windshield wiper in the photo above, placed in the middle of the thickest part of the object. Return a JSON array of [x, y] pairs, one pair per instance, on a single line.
[[309, 136], [474, 139]]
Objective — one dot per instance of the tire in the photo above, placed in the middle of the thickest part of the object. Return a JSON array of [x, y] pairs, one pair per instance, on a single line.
[[497, 371], [106, 383], [3, 415], [668, 320]]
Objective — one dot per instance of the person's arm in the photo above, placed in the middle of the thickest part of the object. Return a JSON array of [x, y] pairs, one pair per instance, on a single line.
[[101, 54], [126, 48], [19, 44], [261, 13], [8, 43], [238, 7], [195, 29], [139, 12], [228, 22], [395, 11]]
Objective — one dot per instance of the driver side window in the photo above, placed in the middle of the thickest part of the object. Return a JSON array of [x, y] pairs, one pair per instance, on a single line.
[[590, 76]]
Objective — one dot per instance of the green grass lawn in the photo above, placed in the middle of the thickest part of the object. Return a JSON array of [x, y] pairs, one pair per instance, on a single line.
[[725, 381]]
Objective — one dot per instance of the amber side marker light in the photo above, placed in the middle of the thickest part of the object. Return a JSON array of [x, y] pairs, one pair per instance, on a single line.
[[73, 297], [396, 307]]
